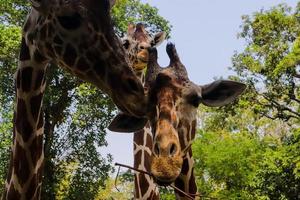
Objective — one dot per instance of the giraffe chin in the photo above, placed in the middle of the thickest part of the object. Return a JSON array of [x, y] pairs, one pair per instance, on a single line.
[[166, 169]]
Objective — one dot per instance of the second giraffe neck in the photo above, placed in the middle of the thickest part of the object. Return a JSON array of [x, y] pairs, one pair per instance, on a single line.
[[186, 180], [145, 188]]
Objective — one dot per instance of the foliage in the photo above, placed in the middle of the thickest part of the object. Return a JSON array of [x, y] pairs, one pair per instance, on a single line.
[[250, 149], [5, 143], [112, 188], [278, 175], [166, 193], [269, 62], [13, 12], [133, 11], [76, 114]]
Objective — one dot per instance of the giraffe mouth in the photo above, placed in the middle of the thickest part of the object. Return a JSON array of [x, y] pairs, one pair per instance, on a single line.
[[142, 59], [143, 56], [164, 182], [166, 170]]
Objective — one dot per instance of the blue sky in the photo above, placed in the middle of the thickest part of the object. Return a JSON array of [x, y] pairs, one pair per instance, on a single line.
[[205, 35]]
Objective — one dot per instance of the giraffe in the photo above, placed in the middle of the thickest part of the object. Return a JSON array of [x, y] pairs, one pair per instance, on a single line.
[[136, 42], [172, 107], [77, 35]]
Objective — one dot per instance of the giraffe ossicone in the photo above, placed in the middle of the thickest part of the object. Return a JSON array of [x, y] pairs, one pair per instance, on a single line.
[[172, 111]]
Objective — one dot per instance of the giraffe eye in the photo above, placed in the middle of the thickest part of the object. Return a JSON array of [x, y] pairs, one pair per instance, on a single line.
[[70, 22], [194, 99], [126, 44]]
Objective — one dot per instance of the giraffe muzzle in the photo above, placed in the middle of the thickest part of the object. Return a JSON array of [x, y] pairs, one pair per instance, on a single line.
[[166, 169]]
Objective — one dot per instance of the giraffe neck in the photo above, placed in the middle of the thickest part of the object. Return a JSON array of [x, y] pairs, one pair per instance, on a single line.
[[79, 54], [145, 188], [92, 52], [186, 180], [144, 185], [25, 173]]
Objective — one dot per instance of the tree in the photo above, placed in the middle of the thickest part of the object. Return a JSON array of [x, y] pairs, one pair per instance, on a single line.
[[250, 149], [76, 113], [269, 62]]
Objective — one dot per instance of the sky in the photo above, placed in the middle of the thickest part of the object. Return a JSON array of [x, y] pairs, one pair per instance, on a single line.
[[205, 35]]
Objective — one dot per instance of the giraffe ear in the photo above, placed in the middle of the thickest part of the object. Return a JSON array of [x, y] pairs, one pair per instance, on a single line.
[[112, 3], [130, 29], [39, 5], [158, 39], [126, 124], [220, 93]]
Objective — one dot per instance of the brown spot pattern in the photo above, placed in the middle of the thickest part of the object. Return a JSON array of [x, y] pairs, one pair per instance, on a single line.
[[92, 55], [50, 30], [114, 60], [49, 49], [43, 32], [22, 124], [165, 114], [136, 188], [104, 46], [35, 104], [57, 40], [39, 79], [181, 134], [38, 57], [147, 161], [138, 137], [32, 187], [58, 49], [185, 166], [70, 55], [21, 164], [137, 158], [26, 77], [82, 65], [192, 184], [144, 185], [24, 52], [180, 184], [100, 67], [13, 193], [36, 148], [149, 141]]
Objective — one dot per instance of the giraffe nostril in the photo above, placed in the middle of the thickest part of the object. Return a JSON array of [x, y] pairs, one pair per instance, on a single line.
[[173, 150]]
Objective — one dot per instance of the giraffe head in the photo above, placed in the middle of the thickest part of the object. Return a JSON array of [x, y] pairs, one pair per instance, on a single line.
[[172, 111], [79, 35], [136, 42]]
